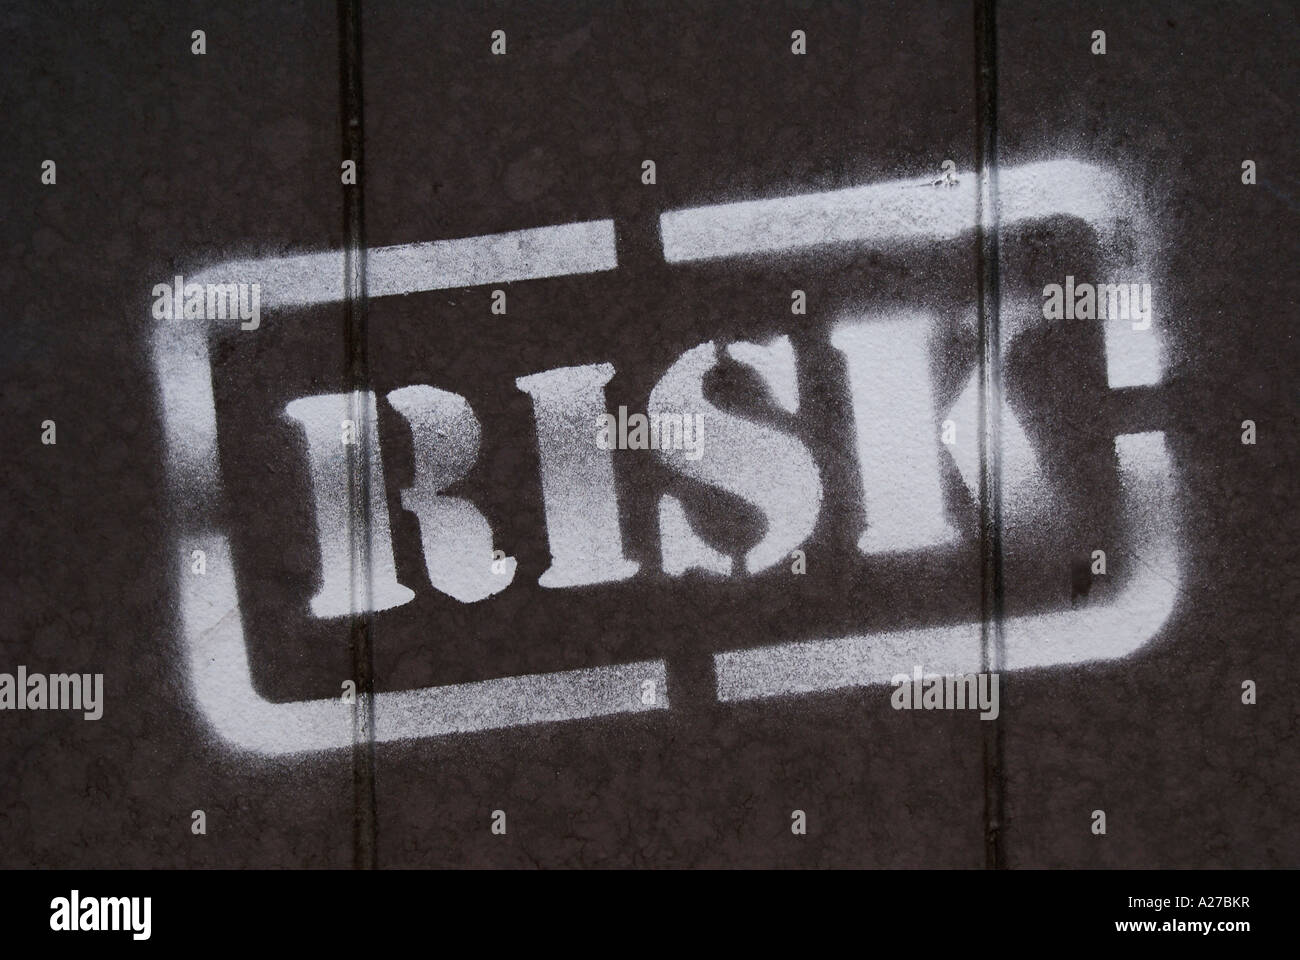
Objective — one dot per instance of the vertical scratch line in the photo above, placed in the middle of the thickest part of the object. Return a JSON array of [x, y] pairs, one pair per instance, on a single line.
[[365, 824], [990, 413]]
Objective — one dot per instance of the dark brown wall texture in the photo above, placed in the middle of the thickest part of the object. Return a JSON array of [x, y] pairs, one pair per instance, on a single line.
[[173, 162]]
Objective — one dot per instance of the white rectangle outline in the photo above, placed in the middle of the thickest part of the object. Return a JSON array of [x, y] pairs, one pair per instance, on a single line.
[[216, 654]]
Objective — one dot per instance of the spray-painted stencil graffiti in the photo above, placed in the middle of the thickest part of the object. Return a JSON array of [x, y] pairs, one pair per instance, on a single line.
[[895, 421]]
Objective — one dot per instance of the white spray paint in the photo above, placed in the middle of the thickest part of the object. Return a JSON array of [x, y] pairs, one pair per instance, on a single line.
[[888, 215], [582, 521], [766, 467], [1096, 632], [321, 418], [893, 412], [884, 214], [457, 539], [222, 685], [1024, 487], [212, 630]]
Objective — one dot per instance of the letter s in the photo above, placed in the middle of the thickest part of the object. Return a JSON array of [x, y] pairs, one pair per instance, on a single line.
[[763, 466]]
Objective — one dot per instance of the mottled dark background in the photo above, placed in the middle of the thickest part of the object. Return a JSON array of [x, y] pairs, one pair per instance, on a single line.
[[169, 161]]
